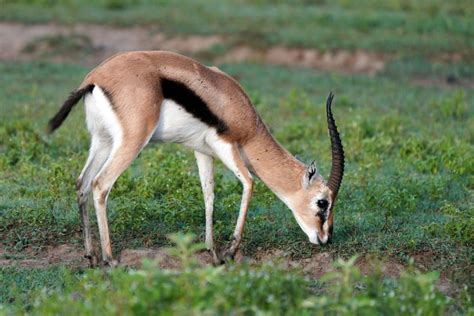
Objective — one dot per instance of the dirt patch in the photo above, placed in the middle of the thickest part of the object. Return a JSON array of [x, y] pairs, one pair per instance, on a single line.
[[424, 259], [390, 268], [63, 43], [67, 255], [50, 256], [71, 256], [314, 267], [134, 258], [339, 60]]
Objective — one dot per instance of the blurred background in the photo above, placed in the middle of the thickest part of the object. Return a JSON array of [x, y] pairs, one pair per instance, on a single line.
[[428, 41]]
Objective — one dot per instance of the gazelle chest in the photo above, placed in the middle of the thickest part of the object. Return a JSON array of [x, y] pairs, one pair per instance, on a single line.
[[176, 125]]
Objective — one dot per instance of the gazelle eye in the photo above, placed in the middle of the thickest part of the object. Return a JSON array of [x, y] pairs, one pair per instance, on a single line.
[[323, 204]]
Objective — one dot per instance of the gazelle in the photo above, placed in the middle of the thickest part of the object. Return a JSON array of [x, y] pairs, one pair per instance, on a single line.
[[137, 97]]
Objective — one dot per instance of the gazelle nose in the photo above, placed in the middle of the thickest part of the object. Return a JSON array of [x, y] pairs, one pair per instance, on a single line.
[[323, 241]]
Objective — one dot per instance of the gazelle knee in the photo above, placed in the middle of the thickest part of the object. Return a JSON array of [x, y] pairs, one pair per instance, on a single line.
[[247, 184], [78, 183], [99, 191], [250, 184], [83, 191]]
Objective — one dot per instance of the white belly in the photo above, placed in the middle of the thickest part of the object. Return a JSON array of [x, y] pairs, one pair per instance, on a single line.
[[178, 126]]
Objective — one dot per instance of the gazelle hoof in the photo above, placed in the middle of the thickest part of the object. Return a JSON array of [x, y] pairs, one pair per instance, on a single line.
[[227, 256], [216, 261], [93, 261], [111, 263]]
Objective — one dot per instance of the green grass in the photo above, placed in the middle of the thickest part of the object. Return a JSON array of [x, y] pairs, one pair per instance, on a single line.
[[413, 27], [19, 284]]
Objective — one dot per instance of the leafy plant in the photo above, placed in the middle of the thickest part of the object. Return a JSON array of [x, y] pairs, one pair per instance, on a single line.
[[459, 225]]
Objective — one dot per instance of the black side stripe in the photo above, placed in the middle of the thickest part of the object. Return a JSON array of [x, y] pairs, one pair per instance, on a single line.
[[192, 103]]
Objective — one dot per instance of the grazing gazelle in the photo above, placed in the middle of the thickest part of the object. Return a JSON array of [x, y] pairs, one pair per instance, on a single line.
[[136, 97]]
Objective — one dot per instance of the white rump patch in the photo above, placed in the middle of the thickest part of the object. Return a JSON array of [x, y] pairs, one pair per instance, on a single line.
[[100, 116], [102, 122]]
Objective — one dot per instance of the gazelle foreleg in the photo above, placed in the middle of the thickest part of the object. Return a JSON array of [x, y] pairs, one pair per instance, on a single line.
[[247, 184], [230, 156], [206, 175]]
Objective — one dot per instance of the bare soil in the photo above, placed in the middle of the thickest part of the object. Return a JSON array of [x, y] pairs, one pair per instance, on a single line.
[[339, 60], [47, 41]]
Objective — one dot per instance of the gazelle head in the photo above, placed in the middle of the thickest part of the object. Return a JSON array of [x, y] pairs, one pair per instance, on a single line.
[[313, 203]]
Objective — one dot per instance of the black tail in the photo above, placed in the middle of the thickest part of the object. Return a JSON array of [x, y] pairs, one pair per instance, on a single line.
[[64, 111]]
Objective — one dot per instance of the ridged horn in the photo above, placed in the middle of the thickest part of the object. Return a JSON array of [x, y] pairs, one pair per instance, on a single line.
[[337, 168]]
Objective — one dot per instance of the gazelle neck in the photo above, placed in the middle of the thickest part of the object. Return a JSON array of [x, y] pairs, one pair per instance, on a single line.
[[273, 164]]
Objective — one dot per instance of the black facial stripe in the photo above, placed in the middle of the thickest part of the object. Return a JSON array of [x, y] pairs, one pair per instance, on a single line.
[[323, 215], [192, 103]]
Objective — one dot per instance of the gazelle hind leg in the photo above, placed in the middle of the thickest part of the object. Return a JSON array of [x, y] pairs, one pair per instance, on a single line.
[[230, 156], [128, 134], [97, 108], [206, 175], [98, 154], [119, 160]]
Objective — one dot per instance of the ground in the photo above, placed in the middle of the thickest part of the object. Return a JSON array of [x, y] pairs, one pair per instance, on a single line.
[[404, 105]]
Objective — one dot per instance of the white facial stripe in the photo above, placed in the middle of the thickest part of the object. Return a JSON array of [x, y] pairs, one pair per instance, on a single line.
[[312, 233], [326, 228]]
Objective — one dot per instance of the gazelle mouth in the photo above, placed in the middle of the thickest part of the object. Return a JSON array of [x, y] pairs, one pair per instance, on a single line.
[[323, 239], [318, 239]]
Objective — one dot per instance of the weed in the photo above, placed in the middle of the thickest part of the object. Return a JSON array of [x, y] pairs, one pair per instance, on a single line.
[[453, 107], [459, 225]]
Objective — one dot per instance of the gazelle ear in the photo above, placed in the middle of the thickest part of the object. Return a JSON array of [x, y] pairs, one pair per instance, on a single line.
[[310, 175]]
